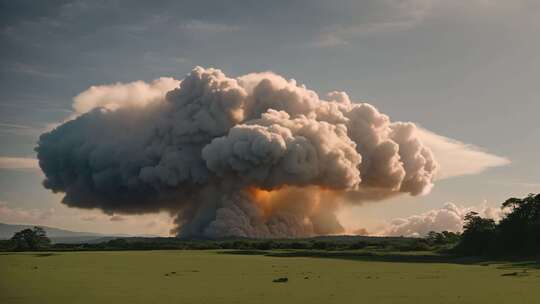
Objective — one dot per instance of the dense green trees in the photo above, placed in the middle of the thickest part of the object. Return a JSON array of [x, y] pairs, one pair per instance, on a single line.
[[328, 243], [518, 233], [478, 235], [30, 239], [442, 238]]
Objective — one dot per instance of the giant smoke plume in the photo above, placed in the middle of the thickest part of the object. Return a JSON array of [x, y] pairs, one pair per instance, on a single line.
[[253, 156]]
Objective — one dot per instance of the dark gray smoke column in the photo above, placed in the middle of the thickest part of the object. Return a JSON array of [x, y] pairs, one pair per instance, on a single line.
[[256, 156]]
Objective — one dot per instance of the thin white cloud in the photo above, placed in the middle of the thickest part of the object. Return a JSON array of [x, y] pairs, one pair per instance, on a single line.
[[457, 158], [117, 218], [199, 26], [397, 16], [394, 16], [523, 184], [89, 218], [34, 70], [14, 126], [329, 40], [18, 129], [15, 163]]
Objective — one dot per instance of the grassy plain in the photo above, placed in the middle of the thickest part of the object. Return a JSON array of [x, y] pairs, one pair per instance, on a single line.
[[216, 277]]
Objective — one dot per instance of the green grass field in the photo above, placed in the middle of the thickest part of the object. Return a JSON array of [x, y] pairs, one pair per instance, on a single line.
[[213, 277]]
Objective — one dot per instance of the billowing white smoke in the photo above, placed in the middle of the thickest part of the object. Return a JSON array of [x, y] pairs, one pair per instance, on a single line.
[[255, 156], [118, 95], [448, 218]]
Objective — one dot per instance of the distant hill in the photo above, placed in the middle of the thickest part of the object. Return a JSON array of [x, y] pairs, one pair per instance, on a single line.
[[76, 237], [60, 235]]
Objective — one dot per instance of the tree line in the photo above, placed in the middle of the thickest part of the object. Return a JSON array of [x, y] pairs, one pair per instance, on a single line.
[[516, 234], [327, 243]]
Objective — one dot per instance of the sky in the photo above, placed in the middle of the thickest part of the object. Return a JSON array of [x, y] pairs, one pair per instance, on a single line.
[[465, 70]]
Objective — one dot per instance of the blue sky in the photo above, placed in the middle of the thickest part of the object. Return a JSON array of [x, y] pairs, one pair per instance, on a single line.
[[466, 70]]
